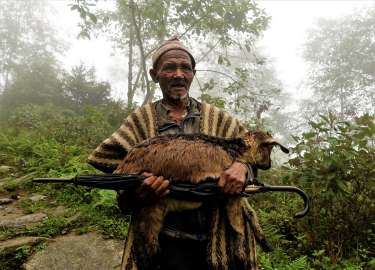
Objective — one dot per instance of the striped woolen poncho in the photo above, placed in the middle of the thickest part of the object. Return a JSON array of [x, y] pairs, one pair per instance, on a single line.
[[142, 124], [234, 228]]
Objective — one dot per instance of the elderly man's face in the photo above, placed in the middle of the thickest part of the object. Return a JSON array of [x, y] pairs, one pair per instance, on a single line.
[[174, 73]]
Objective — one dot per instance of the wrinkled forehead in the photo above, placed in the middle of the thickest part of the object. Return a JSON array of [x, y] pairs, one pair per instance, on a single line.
[[172, 56]]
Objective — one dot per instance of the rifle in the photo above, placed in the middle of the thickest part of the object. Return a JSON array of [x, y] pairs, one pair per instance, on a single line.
[[206, 190]]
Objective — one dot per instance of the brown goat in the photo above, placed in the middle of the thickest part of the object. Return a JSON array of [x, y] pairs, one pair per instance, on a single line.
[[196, 157], [193, 158]]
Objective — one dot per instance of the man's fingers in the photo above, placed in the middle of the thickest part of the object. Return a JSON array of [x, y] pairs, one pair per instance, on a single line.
[[147, 174], [162, 188], [149, 180], [235, 188], [229, 186], [158, 181], [230, 183]]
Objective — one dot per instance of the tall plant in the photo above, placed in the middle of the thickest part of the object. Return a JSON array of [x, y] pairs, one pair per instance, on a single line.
[[334, 162]]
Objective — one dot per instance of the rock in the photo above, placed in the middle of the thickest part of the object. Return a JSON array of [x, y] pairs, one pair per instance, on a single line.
[[59, 211], [9, 210], [5, 201], [37, 198], [5, 169], [78, 252], [12, 244], [22, 221]]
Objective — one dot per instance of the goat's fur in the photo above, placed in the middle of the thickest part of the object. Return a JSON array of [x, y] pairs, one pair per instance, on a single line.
[[183, 158], [196, 157]]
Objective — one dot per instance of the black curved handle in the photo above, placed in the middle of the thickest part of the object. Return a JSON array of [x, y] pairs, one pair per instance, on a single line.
[[185, 191], [268, 188]]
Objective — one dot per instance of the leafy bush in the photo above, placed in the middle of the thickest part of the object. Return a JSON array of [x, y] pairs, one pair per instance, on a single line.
[[334, 162], [45, 157], [87, 127]]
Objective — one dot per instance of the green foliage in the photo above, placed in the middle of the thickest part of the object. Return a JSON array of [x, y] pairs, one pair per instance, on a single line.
[[45, 156], [88, 18], [335, 164], [43, 84], [63, 125], [47, 141], [206, 97], [81, 88], [298, 264], [14, 259]]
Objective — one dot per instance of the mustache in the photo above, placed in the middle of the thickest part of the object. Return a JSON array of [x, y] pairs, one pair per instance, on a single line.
[[177, 82]]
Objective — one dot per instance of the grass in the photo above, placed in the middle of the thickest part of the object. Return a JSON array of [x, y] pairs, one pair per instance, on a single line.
[[14, 259], [85, 210]]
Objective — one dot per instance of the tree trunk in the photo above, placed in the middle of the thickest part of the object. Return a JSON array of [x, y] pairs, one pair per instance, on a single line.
[[131, 89], [149, 92]]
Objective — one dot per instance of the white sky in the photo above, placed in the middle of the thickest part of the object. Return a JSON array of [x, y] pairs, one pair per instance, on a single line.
[[282, 41]]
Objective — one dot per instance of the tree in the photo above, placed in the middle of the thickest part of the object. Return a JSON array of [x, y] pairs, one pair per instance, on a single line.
[[252, 92], [81, 88], [37, 82], [138, 28], [24, 34], [341, 54]]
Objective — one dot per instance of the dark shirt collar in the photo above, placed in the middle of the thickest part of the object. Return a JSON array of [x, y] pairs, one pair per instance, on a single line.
[[192, 107], [168, 107]]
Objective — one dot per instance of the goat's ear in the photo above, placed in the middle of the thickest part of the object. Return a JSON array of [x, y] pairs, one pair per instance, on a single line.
[[276, 143]]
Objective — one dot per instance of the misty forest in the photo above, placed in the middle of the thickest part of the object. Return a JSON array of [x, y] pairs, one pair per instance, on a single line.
[[53, 115]]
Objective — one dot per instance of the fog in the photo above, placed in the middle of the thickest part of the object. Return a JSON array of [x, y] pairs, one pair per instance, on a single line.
[[280, 81], [303, 71]]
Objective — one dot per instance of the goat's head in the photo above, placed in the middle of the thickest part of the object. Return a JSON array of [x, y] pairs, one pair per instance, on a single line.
[[260, 145]]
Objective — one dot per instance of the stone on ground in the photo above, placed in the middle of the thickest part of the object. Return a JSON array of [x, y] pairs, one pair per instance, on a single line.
[[5, 169], [37, 197], [5, 201], [78, 252], [12, 244], [22, 221]]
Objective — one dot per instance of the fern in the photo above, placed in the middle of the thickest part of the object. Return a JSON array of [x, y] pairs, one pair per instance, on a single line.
[[265, 262], [297, 264], [280, 264]]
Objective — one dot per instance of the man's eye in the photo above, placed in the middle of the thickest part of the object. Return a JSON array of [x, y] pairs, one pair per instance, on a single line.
[[168, 67], [187, 68]]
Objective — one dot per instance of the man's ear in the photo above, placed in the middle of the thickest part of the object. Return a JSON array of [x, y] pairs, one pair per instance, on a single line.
[[153, 75], [194, 71]]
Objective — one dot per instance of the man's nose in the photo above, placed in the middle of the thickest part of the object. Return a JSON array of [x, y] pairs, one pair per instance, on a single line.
[[179, 73]]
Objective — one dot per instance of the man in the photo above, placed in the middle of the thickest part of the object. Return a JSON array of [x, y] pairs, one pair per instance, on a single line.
[[184, 239]]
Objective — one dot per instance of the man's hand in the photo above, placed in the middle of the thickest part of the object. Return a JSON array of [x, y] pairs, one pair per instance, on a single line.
[[233, 179], [152, 188]]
